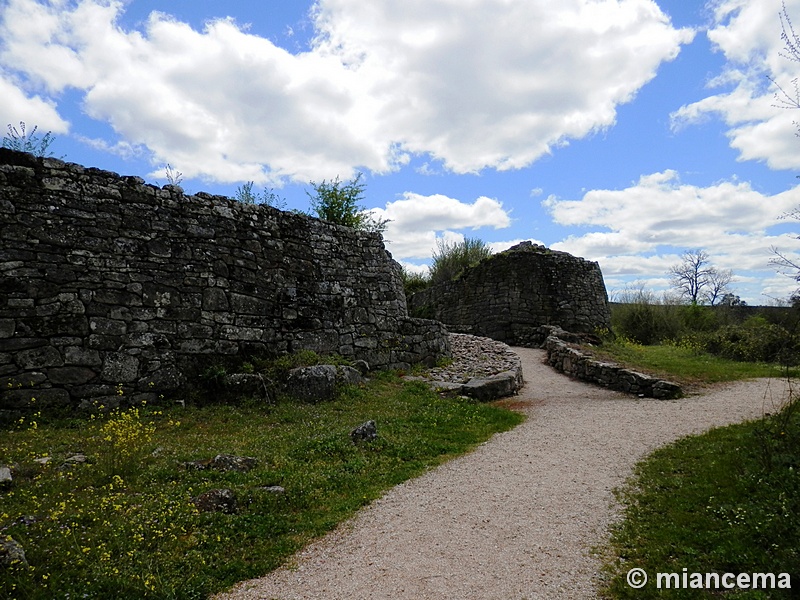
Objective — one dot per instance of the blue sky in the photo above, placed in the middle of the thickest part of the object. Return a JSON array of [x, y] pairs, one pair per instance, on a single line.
[[623, 131]]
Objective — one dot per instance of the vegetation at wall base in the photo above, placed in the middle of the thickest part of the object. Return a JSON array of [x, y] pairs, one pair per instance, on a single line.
[[727, 501], [123, 525]]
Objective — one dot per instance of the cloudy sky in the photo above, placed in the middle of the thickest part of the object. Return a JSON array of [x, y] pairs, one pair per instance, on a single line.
[[623, 131]]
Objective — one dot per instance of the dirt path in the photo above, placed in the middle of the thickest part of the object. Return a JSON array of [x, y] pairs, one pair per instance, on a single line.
[[515, 518]]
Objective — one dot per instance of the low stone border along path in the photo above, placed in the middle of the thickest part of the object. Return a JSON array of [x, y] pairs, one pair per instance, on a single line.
[[517, 517]]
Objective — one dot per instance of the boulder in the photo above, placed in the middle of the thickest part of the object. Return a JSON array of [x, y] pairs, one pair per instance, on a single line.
[[11, 553], [319, 383], [220, 500], [366, 432]]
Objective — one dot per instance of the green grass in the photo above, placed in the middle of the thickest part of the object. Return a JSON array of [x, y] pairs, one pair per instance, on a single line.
[[123, 525], [686, 365], [727, 501]]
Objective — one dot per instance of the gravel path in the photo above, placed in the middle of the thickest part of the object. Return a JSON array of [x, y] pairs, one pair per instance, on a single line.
[[514, 519]]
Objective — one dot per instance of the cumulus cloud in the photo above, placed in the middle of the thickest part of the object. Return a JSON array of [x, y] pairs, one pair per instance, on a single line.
[[417, 221], [481, 85], [749, 36], [640, 231], [16, 105]]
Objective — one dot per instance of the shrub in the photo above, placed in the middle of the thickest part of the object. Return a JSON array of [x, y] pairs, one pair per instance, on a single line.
[[414, 282], [338, 203], [450, 260], [641, 317], [756, 340], [246, 195]]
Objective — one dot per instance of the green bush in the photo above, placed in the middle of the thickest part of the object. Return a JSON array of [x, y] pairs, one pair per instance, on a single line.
[[450, 260], [641, 317], [755, 340], [338, 203], [414, 282]]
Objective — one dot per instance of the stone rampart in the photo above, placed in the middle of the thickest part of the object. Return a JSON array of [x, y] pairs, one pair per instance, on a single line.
[[511, 294], [571, 361], [108, 285]]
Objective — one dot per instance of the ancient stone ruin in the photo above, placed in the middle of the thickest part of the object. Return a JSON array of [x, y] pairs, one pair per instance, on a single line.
[[109, 285], [510, 295]]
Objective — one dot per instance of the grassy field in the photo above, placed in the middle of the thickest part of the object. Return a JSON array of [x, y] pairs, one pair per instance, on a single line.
[[686, 365], [123, 524], [727, 501]]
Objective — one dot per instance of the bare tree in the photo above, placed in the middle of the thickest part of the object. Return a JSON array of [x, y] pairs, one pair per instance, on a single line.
[[786, 263], [697, 281]]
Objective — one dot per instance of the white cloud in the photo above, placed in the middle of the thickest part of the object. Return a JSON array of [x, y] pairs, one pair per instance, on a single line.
[[417, 221], [16, 105], [749, 35], [481, 85], [640, 231]]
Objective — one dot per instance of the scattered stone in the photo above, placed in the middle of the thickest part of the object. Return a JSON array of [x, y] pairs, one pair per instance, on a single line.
[[42, 460], [366, 432], [228, 462], [221, 500], [666, 390], [361, 366], [11, 553], [481, 368], [274, 489], [72, 460], [223, 462], [5, 476]]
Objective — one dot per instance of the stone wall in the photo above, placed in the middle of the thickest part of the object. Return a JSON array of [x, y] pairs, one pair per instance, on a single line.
[[109, 284], [508, 296], [571, 361]]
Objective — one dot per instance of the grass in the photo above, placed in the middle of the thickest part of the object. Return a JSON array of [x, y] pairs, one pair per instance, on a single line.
[[727, 501], [123, 525], [687, 365]]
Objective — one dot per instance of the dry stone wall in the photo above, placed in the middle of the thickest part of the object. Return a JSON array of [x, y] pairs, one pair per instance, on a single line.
[[109, 284], [510, 295]]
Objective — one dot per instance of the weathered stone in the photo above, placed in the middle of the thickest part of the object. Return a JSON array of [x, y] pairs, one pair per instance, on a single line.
[[219, 500], [5, 476], [507, 296], [70, 375], [319, 383], [229, 462], [106, 275], [366, 432], [666, 390], [12, 553], [573, 362], [46, 356], [250, 385], [119, 367]]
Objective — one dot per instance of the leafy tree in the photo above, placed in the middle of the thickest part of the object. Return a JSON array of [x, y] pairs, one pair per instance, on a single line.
[[697, 281], [23, 141], [338, 202], [449, 260]]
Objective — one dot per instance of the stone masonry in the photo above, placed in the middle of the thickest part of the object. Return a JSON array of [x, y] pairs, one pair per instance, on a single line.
[[109, 284], [509, 295]]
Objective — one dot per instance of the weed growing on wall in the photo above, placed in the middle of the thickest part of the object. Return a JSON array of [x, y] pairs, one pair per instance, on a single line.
[[27, 141]]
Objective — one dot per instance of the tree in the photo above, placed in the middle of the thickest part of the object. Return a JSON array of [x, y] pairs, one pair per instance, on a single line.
[[697, 281], [784, 262], [338, 203]]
